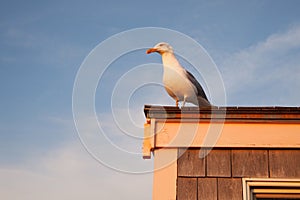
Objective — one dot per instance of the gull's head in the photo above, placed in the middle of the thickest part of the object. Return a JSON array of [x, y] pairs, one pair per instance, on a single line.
[[161, 48]]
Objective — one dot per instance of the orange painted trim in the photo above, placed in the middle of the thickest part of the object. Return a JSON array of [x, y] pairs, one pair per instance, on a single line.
[[227, 135]]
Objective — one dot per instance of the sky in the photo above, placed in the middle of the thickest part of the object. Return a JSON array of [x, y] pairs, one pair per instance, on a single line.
[[44, 44]]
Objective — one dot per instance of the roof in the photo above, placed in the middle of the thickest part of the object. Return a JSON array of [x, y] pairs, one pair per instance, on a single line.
[[263, 114]]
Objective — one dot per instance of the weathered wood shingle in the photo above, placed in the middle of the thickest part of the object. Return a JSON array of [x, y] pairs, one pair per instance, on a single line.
[[219, 163], [284, 163], [190, 164], [230, 188], [186, 188], [249, 163], [207, 189]]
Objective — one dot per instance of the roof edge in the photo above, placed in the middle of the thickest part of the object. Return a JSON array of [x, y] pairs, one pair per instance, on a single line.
[[232, 113]]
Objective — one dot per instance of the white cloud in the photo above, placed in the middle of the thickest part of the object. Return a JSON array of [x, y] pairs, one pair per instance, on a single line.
[[70, 173], [267, 72]]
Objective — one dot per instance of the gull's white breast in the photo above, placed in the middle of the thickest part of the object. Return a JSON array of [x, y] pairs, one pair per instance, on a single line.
[[178, 85]]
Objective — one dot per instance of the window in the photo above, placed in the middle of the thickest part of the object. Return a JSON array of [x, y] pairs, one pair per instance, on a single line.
[[271, 189]]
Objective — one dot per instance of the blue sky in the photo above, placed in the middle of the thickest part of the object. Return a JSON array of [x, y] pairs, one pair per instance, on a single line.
[[255, 44]]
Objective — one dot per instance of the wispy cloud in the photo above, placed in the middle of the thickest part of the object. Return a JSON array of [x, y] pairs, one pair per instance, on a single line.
[[70, 173], [255, 74]]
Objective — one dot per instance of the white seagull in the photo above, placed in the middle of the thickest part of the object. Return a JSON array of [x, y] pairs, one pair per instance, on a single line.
[[180, 84]]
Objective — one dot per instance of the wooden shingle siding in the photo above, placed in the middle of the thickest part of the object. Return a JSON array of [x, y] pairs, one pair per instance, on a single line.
[[219, 175], [219, 163], [230, 188], [207, 189], [284, 163], [189, 163], [267, 163], [249, 163], [187, 189]]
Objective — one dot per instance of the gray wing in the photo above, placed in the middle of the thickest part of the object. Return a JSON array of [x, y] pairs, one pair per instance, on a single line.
[[200, 91]]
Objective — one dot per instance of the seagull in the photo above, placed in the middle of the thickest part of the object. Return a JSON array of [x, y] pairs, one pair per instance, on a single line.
[[179, 83]]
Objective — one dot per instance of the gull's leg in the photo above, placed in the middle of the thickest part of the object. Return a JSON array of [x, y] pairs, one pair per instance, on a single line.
[[183, 103]]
